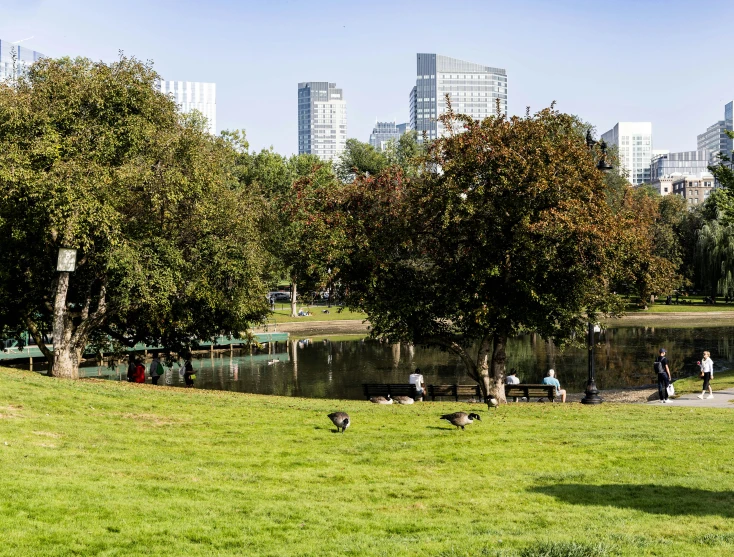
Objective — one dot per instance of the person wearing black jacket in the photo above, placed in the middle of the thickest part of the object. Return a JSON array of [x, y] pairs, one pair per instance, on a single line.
[[664, 377]]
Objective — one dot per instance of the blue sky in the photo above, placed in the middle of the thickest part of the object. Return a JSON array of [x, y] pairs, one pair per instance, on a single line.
[[668, 62]]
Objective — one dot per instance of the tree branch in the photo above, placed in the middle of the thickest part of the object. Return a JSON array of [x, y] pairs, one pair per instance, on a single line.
[[38, 337]]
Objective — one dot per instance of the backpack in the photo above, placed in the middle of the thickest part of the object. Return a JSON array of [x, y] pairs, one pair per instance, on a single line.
[[658, 366]]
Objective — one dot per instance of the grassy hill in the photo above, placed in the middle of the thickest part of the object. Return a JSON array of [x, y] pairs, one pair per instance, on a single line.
[[100, 468]]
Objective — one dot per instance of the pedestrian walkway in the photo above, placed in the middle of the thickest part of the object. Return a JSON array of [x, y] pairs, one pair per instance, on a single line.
[[721, 400]]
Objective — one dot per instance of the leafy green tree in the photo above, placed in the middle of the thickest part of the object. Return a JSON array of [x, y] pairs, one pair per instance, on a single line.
[[92, 157], [505, 229], [405, 152], [359, 158]]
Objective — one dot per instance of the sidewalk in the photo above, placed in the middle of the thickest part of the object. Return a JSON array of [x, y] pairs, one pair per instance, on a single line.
[[721, 400]]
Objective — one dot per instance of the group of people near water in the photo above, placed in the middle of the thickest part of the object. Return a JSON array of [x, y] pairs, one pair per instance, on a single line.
[[136, 371]]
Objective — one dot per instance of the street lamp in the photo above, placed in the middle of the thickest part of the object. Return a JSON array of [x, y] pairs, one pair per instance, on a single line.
[[592, 393]]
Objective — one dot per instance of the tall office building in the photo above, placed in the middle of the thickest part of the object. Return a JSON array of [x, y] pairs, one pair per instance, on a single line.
[[473, 89], [634, 144], [666, 168], [193, 95], [322, 120], [715, 138], [384, 132], [24, 57]]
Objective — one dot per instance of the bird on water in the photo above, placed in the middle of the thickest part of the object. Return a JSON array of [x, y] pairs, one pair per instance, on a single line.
[[461, 419], [381, 399], [340, 420]]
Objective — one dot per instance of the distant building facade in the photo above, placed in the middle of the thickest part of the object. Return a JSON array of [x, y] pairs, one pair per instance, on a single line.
[[474, 90], [384, 132], [715, 139], [634, 144], [24, 57], [686, 163], [695, 190], [193, 95], [322, 120]]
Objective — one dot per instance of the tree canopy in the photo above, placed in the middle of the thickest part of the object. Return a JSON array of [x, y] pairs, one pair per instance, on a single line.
[[506, 229], [93, 157]]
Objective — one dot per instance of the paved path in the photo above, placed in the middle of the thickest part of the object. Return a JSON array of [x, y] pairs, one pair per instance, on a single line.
[[721, 400]]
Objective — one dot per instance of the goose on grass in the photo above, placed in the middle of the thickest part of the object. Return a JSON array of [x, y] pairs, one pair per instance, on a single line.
[[461, 419], [340, 420]]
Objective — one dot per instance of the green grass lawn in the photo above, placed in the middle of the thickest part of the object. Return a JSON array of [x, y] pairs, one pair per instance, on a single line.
[[103, 468], [282, 314]]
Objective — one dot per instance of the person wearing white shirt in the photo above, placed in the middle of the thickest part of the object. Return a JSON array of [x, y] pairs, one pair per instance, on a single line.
[[511, 378], [707, 372], [417, 379]]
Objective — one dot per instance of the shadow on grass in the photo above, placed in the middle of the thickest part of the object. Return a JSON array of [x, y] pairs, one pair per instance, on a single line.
[[655, 499]]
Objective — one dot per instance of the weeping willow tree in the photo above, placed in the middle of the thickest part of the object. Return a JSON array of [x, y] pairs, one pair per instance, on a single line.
[[715, 256]]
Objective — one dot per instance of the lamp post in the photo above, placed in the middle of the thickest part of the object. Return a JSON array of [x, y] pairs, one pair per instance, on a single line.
[[592, 393]]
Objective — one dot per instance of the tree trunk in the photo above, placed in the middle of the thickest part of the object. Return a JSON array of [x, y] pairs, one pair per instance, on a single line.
[[482, 368], [499, 361], [66, 355], [294, 304]]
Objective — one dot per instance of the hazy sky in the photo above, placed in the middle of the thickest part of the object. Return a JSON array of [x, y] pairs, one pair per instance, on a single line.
[[664, 61]]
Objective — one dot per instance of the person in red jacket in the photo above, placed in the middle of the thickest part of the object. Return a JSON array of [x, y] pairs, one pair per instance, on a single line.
[[139, 372]]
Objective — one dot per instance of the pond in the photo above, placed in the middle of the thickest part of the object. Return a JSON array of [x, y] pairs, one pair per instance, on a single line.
[[324, 368]]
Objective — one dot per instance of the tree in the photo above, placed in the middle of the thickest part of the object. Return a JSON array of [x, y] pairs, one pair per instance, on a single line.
[[405, 152], [651, 249], [359, 158], [506, 229], [92, 157]]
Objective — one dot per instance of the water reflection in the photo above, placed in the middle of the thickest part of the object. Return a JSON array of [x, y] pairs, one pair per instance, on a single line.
[[326, 369]]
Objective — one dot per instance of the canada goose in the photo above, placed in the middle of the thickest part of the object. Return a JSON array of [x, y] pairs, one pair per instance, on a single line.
[[381, 399], [404, 399], [275, 361], [460, 419], [340, 420], [492, 402]]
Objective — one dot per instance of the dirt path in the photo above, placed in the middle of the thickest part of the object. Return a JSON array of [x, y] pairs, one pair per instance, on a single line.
[[314, 328]]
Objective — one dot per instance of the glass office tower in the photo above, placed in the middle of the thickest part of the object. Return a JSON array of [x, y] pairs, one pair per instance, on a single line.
[[322, 120], [24, 57], [474, 90], [193, 95]]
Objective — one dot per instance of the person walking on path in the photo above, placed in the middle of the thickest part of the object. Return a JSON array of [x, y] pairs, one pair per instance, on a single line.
[[139, 372], [707, 372], [131, 368], [664, 377]]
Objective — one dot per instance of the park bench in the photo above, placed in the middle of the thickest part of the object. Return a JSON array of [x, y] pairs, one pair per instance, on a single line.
[[530, 391], [392, 389], [455, 391]]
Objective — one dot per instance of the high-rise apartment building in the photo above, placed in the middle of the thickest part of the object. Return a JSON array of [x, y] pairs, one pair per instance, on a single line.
[[634, 144], [474, 90], [193, 95], [15, 59], [384, 132], [322, 120], [666, 168]]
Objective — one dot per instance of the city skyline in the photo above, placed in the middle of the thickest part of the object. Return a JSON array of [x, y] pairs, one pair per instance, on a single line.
[[594, 61]]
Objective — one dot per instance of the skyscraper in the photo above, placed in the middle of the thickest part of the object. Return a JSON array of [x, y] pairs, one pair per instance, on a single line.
[[474, 90], [24, 57], [383, 132], [322, 120], [193, 95], [634, 143]]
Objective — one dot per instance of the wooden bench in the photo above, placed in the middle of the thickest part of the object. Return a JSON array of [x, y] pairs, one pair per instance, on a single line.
[[392, 389], [530, 391], [455, 391]]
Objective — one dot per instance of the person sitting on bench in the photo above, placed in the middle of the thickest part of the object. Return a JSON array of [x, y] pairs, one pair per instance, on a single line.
[[550, 379], [416, 379], [512, 379]]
